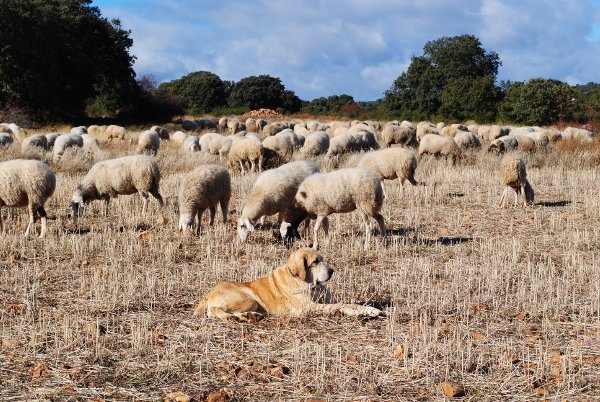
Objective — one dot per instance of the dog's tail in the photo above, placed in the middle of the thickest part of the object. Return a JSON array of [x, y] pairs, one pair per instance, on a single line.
[[200, 310]]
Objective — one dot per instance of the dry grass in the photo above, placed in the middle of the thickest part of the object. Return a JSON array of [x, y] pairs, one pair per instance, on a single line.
[[504, 302]]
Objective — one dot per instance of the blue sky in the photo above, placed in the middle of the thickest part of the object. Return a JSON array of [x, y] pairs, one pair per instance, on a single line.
[[329, 47]]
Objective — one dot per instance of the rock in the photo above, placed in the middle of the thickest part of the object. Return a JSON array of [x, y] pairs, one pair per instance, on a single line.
[[452, 389]]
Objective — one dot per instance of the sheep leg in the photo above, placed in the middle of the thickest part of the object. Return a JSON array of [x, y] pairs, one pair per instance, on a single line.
[[516, 196], [523, 194], [157, 195], [383, 188], [213, 211], [1, 223], [365, 218], [503, 198], [145, 203], [42, 213], [106, 202], [318, 224], [224, 210], [199, 227], [242, 166], [380, 221], [31, 220]]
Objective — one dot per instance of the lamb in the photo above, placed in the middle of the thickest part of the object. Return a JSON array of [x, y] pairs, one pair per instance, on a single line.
[[191, 144], [315, 144], [148, 142], [79, 130], [65, 141], [122, 176], [390, 164], [179, 137], [247, 150], [439, 145], [117, 132], [202, 188], [51, 139], [466, 140], [343, 190], [34, 145], [513, 175], [163, 133], [26, 183], [395, 134], [273, 192]]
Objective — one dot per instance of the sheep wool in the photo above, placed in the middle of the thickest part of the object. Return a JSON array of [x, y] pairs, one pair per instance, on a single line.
[[26, 183], [315, 144], [390, 164], [434, 144], [148, 142], [246, 150], [203, 188]]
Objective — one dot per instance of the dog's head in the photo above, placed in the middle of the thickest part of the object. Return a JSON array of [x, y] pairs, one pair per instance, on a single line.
[[308, 266]]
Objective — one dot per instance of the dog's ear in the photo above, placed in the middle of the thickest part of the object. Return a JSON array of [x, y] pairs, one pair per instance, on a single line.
[[299, 262]]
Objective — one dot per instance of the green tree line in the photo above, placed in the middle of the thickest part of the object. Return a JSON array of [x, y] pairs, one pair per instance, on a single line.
[[60, 59]]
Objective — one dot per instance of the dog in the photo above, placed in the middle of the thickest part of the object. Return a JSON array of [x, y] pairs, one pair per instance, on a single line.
[[294, 289]]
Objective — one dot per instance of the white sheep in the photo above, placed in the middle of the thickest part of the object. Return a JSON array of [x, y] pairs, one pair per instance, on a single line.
[[571, 133], [223, 124], [34, 145], [246, 150], [396, 134], [91, 145], [274, 127], [97, 131], [51, 139], [191, 144], [217, 144], [79, 130], [148, 142], [235, 126], [26, 183], [279, 149], [203, 188], [343, 190], [390, 164], [341, 144], [251, 124], [260, 124], [315, 144], [434, 144], [466, 140], [117, 132], [122, 176], [65, 141], [163, 133], [513, 175], [179, 137], [273, 193], [15, 130], [512, 143]]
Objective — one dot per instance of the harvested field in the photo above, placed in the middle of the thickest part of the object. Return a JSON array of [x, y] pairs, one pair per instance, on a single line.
[[503, 302]]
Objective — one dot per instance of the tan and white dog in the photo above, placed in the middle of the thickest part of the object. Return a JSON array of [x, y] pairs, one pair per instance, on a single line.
[[294, 289]]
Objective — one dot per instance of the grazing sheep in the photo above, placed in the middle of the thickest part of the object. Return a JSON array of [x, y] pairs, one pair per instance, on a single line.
[[117, 132], [191, 145], [491, 133], [425, 129], [223, 124], [260, 124], [122, 176], [97, 131], [466, 140], [13, 129], [390, 164], [251, 124], [235, 126], [148, 142], [206, 124], [51, 139], [179, 137], [315, 144], [279, 149], [273, 192], [273, 128], [540, 137], [202, 188], [301, 131], [503, 144], [163, 133], [513, 175], [343, 190], [216, 144], [246, 150], [189, 125], [395, 134], [572, 133], [5, 139], [434, 144], [34, 145], [341, 144], [65, 141], [26, 183], [79, 130], [91, 145]]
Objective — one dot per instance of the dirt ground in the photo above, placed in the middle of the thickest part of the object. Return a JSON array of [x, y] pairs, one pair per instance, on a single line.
[[504, 303]]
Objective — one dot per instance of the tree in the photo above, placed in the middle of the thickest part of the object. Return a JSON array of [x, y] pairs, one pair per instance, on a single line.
[[262, 91], [471, 98], [539, 102], [331, 105], [55, 55], [419, 89], [202, 90]]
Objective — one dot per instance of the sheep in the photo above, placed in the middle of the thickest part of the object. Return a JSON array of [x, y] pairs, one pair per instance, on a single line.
[[65, 141], [390, 164], [79, 130], [251, 124], [439, 145], [90, 144], [279, 149], [206, 124], [34, 145], [273, 128], [513, 175], [395, 134], [51, 139], [571, 133], [97, 131], [117, 132], [343, 190], [202, 188], [449, 131], [223, 124], [15, 130], [179, 137], [273, 192], [26, 183], [301, 131], [235, 126], [189, 125], [540, 137], [246, 150], [5, 139], [260, 124], [163, 133], [191, 144], [216, 144], [341, 144], [122, 176], [315, 144], [503, 144], [424, 130], [148, 142], [466, 140]]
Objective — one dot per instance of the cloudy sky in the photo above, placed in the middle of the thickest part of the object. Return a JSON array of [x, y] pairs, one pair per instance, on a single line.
[[357, 47]]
